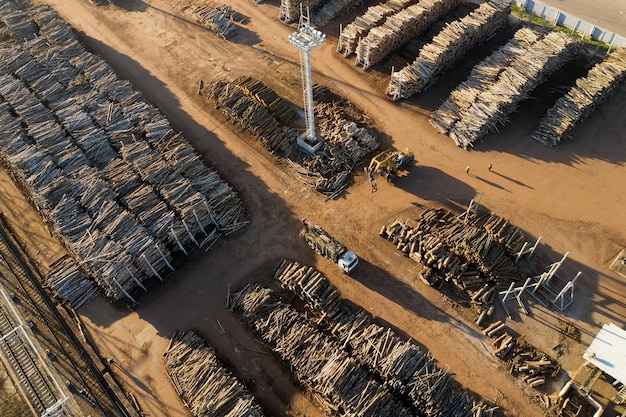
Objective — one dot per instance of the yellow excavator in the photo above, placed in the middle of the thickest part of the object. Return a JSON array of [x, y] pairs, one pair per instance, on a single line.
[[390, 163]]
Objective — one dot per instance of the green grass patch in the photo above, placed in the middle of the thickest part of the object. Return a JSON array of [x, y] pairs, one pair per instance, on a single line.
[[540, 21]]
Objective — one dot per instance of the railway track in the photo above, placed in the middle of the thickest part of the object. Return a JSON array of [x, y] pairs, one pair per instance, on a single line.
[[83, 382]]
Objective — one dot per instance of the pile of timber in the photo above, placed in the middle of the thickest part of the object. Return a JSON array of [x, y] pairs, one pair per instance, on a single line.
[[498, 228], [462, 252], [448, 47], [332, 9], [247, 110], [527, 363], [290, 10], [481, 78], [513, 84], [202, 380], [409, 372], [399, 28], [599, 84], [361, 25], [68, 283], [317, 360], [255, 107], [103, 167], [216, 19]]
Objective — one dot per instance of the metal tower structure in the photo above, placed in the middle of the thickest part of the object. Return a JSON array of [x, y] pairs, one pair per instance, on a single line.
[[306, 39]]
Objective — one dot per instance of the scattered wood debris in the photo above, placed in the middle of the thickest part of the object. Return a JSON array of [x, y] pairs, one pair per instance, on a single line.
[[203, 382], [105, 170], [599, 84], [409, 372], [447, 48]]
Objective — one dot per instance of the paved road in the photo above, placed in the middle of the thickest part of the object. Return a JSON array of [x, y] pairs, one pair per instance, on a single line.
[[603, 13]]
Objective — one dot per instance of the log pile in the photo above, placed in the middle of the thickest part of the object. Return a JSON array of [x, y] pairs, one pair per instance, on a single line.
[[332, 9], [447, 47], [68, 283], [408, 371], [513, 85], [251, 104], [245, 109], [216, 19], [481, 78], [102, 166], [599, 84], [360, 27], [397, 29], [317, 360], [466, 254], [202, 380], [290, 10]]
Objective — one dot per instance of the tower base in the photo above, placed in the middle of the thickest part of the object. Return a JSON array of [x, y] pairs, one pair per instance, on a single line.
[[304, 142]]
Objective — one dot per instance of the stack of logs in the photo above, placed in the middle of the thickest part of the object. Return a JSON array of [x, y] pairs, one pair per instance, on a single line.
[[360, 27], [513, 84], [409, 372], [252, 105], [102, 166], [448, 47], [203, 382], [216, 19], [466, 254], [599, 84], [318, 360], [481, 78], [399, 28], [68, 283]]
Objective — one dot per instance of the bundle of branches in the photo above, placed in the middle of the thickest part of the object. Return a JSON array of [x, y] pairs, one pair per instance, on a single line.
[[360, 27], [203, 381], [441, 241], [409, 372], [217, 19], [70, 119], [317, 360], [397, 29], [599, 84], [481, 78], [448, 47], [513, 85]]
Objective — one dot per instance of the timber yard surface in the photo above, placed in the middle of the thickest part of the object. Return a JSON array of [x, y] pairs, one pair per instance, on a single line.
[[571, 195]]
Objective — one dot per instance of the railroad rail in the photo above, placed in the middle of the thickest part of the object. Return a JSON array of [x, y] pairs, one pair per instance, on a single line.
[[65, 354]]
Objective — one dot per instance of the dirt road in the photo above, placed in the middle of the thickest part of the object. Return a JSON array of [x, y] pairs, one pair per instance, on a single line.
[[572, 196]]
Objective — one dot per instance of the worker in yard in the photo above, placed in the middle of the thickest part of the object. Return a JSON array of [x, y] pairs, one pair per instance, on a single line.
[[489, 167], [467, 170]]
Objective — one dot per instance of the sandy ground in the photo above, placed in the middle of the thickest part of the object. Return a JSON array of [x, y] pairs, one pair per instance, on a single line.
[[571, 196]]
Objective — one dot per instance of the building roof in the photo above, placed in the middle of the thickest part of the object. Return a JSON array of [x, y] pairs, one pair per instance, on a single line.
[[608, 352]]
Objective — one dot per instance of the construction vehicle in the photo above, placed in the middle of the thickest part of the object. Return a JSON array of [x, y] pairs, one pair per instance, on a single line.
[[324, 244], [390, 163]]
